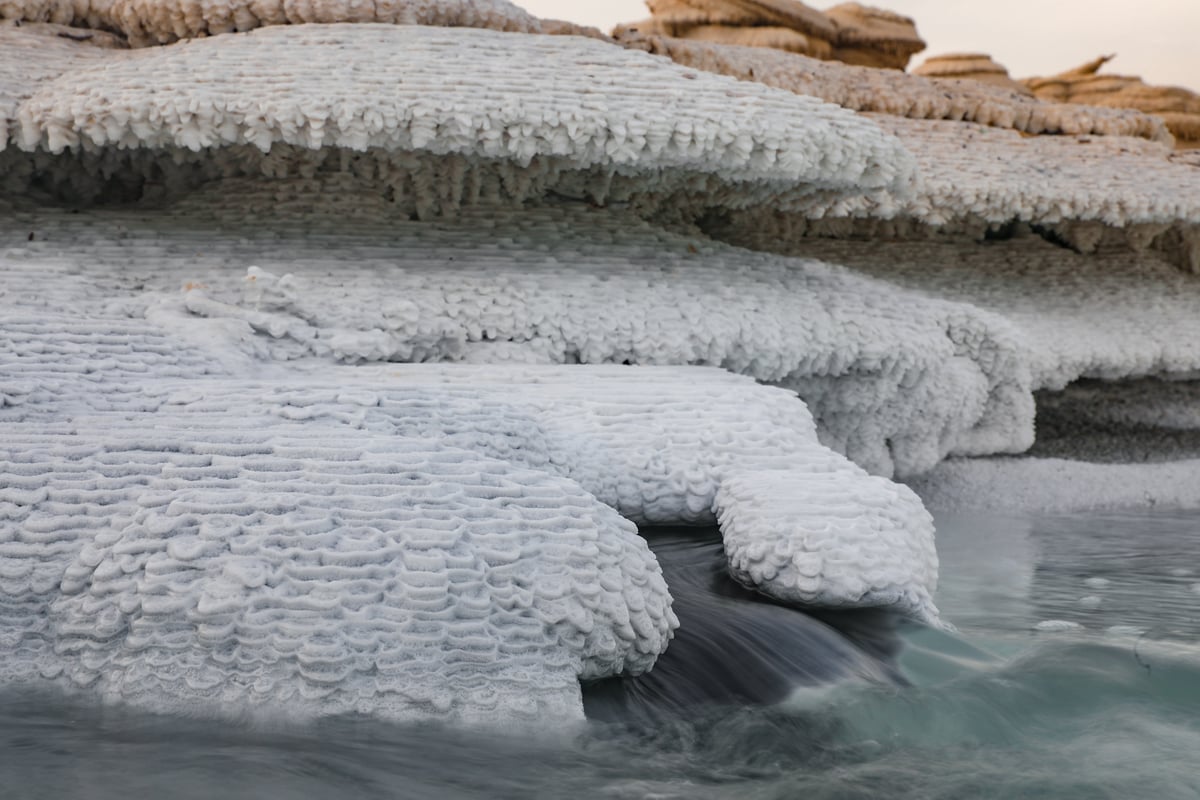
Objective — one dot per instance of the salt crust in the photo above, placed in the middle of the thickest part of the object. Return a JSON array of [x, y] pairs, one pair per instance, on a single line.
[[900, 94], [1090, 192], [581, 102], [895, 380], [401, 541], [796, 542], [1057, 486], [1110, 316], [969, 170], [152, 22]]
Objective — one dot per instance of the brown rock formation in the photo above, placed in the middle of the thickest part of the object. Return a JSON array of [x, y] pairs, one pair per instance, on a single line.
[[969, 66], [1177, 107], [897, 93], [852, 33], [873, 37]]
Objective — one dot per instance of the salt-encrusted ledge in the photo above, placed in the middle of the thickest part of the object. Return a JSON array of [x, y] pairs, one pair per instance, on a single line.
[[1092, 193], [318, 269], [578, 103], [403, 541]]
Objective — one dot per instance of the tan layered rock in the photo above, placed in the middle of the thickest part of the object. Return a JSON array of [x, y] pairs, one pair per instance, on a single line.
[[873, 37], [745, 13], [851, 32], [969, 66], [897, 93], [1179, 108]]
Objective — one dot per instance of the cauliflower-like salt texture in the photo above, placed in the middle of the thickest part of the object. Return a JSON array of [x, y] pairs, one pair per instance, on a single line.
[[458, 91]]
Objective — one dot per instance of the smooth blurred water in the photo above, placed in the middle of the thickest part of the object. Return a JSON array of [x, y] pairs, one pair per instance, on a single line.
[[1000, 709]]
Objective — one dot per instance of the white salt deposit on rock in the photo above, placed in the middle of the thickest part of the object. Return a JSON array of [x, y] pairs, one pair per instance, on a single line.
[[1090, 193], [895, 380], [831, 544], [406, 541], [1108, 315], [478, 94]]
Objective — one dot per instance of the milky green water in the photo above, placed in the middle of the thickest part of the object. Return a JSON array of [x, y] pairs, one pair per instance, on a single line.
[[1102, 702]]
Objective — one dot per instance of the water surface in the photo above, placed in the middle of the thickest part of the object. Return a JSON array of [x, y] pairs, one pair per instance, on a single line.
[[1074, 673]]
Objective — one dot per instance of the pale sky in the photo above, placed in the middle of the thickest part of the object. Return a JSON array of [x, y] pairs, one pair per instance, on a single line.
[[1157, 39]]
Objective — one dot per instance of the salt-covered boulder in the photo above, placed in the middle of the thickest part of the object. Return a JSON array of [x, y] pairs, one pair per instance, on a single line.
[[1179, 108], [971, 66], [154, 22]]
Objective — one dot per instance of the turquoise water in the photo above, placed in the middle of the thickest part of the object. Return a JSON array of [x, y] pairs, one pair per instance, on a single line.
[[998, 709]]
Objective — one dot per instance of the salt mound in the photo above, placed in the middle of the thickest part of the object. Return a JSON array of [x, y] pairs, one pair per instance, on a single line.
[[794, 545], [146, 23]]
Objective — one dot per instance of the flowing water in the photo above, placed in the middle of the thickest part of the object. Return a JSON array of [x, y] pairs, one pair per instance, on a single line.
[[1074, 673]]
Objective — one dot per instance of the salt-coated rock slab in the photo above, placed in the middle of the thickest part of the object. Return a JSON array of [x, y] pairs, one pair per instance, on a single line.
[[1111, 316], [896, 380], [404, 541], [145, 23], [477, 94], [794, 544]]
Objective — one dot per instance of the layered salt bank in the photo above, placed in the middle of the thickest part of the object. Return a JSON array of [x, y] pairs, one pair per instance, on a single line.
[[562, 102], [896, 380], [401, 541]]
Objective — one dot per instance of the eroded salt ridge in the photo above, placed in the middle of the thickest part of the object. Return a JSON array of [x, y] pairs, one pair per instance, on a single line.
[[152, 22], [1109, 315], [896, 381], [1091, 193], [515, 98], [900, 94], [402, 541]]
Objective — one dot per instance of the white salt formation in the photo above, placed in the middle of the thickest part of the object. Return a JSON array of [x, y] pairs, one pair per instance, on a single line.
[[1111, 316], [405, 542], [897, 381], [151, 22], [220, 493], [514, 99]]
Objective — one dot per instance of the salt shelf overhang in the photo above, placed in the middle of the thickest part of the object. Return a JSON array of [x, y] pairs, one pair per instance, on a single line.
[[1090, 176], [318, 269], [403, 541], [604, 122]]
